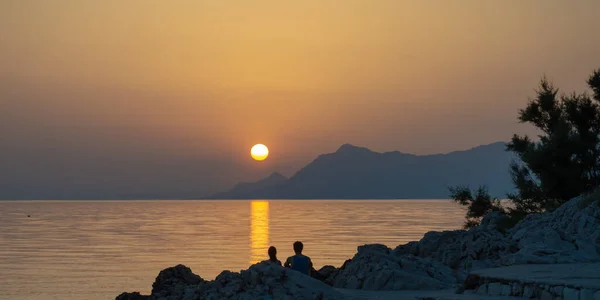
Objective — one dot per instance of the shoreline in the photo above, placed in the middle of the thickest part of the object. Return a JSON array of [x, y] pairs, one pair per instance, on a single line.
[[440, 261]]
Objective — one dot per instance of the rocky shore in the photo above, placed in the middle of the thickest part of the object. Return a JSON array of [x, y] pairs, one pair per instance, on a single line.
[[440, 260]]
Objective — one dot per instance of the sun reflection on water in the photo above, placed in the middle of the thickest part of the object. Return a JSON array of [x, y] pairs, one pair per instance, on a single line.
[[259, 230]]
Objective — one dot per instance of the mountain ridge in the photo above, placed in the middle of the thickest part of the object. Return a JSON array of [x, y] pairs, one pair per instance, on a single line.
[[353, 172]]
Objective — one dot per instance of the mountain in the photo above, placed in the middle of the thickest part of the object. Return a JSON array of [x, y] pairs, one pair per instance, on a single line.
[[358, 173], [244, 188]]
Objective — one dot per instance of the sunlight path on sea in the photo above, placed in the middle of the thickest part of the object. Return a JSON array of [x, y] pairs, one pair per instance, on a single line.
[[259, 230]]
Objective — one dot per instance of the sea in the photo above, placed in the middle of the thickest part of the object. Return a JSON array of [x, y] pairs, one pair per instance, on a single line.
[[96, 250]]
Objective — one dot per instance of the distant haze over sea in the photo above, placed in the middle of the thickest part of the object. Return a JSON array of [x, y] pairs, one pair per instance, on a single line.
[[351, 172]]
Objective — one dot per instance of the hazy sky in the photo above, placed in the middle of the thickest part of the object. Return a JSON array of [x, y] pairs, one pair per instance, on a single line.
[[164, 96]]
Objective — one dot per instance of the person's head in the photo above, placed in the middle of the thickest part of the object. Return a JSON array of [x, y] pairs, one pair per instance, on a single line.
[[298, 246], [272, 253]]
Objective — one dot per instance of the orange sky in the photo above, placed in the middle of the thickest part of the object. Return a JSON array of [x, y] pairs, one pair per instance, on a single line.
[[207, 79]]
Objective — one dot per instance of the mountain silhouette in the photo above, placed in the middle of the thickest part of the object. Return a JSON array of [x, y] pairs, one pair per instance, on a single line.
[[358, 173], [244, 188]]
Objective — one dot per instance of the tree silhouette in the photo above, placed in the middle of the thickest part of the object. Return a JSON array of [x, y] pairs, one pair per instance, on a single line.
[[477, 206], [565, 162], [562, 164]]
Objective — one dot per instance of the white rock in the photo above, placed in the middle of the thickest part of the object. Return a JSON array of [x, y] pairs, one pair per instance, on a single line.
[[380, 280], [570, 294], [528, 291], [506, 290], [353, 283], [376, 267], [495, 289], [482, 289], [568, 234], [546, 295], [517, 289], [558, 290], [586, 294]]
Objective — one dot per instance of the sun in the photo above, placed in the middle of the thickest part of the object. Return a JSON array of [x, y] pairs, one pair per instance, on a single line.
[[259, 152]]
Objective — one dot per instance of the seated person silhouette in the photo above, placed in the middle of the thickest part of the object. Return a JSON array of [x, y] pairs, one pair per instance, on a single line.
[[299, 262], [273, 256]]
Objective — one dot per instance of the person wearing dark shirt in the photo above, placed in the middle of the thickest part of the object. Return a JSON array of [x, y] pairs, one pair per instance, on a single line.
[[299, 262]]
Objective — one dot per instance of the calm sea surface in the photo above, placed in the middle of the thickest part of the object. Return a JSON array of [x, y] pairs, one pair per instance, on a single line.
[[98, 249]]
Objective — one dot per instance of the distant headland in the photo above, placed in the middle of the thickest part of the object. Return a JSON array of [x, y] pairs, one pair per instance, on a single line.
[[358, 173]]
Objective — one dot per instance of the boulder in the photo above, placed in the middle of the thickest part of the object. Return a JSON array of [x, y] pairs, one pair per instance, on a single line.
[[327, 271], [268, 280], [463, 251], [132, 296], [492, 220], [170, 281], [471, 282], [328, 274], [570, 294], [375, 267], [261, 281], [569, 234]]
